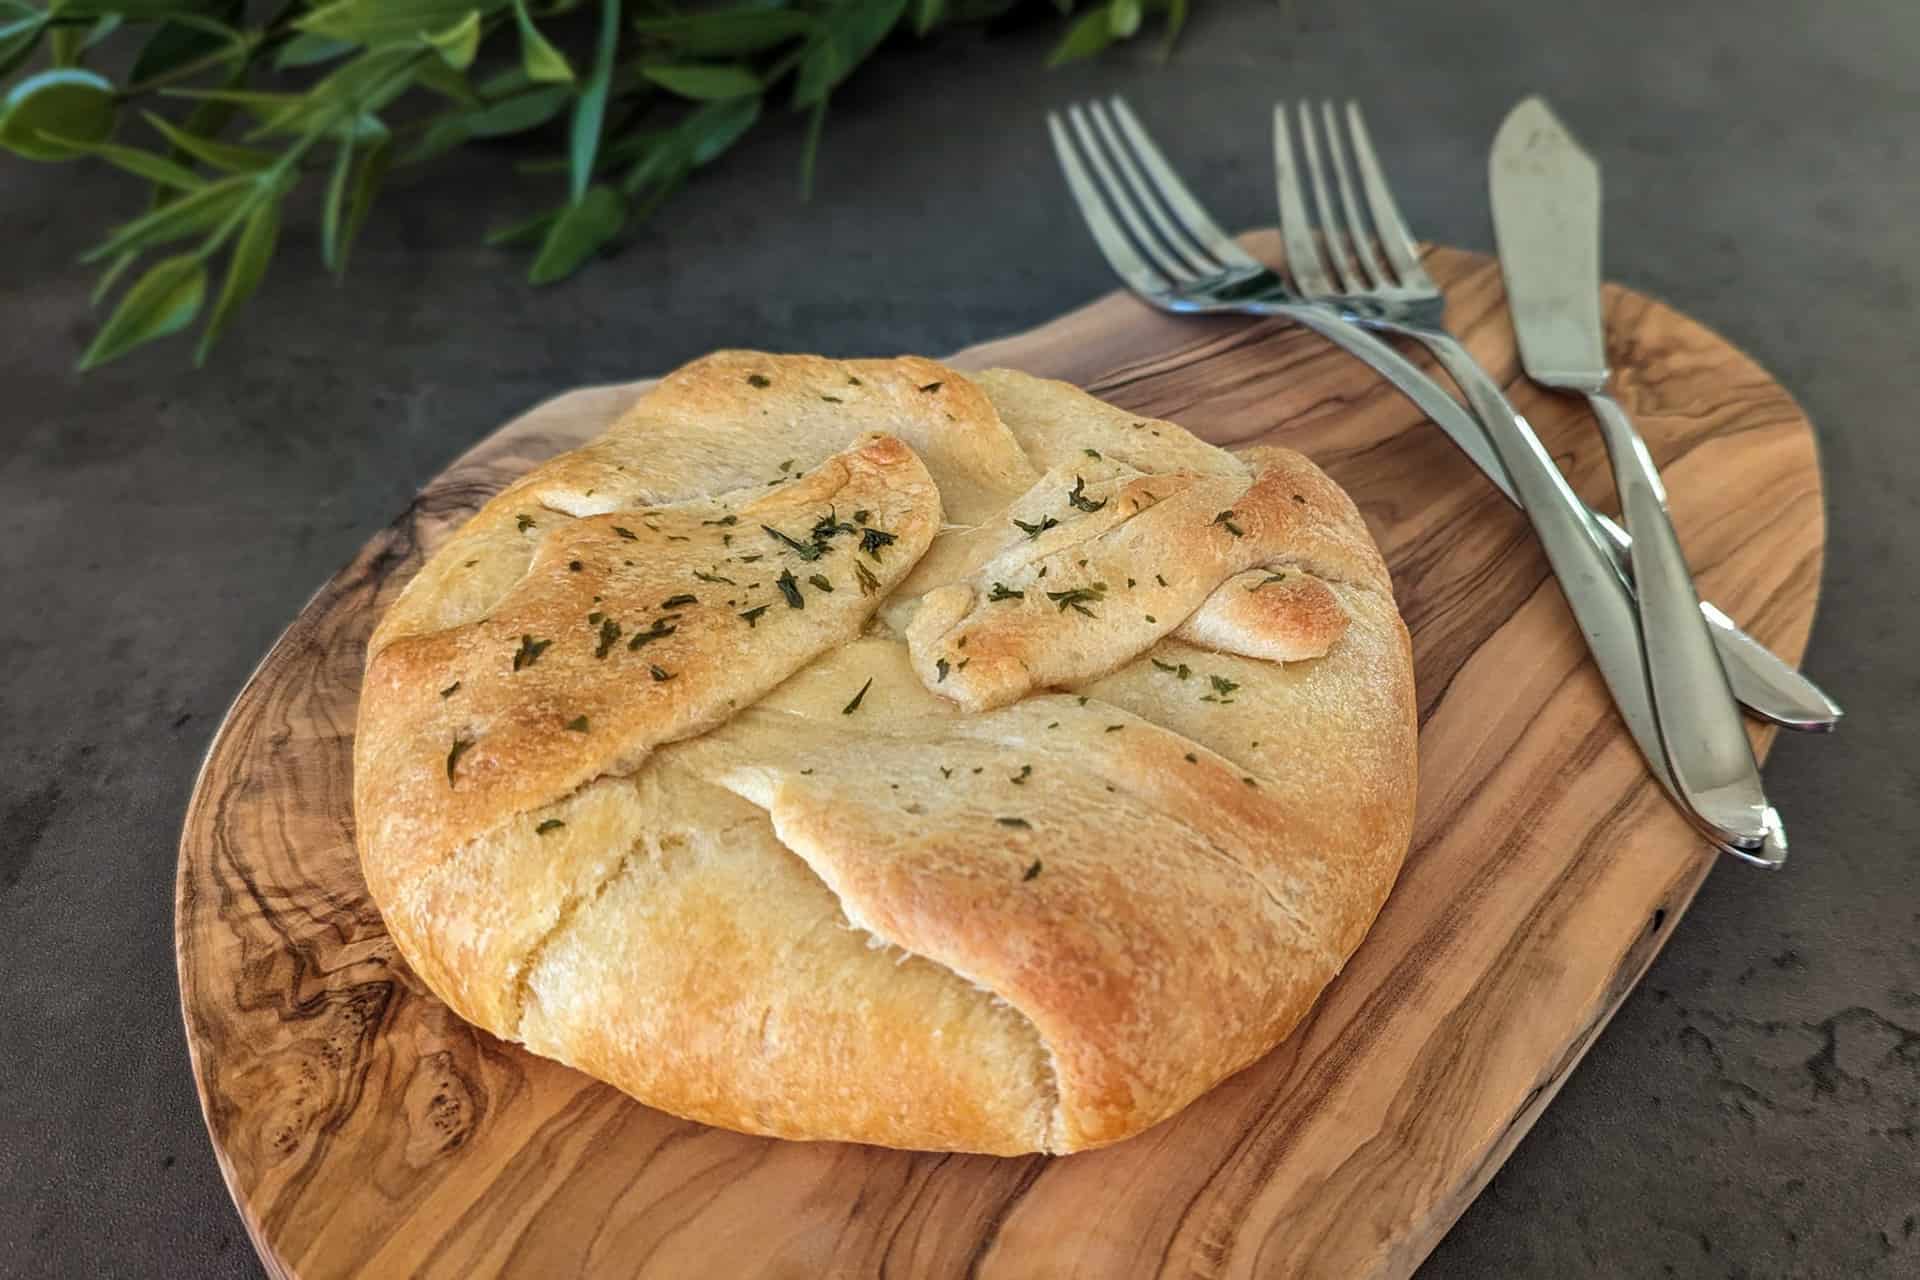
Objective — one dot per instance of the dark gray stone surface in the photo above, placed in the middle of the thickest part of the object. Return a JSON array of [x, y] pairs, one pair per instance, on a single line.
[[1752, 1111]]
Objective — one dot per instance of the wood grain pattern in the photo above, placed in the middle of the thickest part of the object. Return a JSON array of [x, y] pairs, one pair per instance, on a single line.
[[364, 1129]]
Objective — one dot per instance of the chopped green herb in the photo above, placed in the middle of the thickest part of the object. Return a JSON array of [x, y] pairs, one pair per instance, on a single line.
[[861, 516], [854, 706], [1001, 592], [854, 382], [806, 771], [573, 566], [1091, 453], [1053, 724], [1031, 871], [593, 619], [1013, 822], [1225, 521], [806, 551], [1298, 498], [660, 629], [1222, 685], [1082, 699], [759, 380], [868, 583], [524, 521], [678, 537], [932, 386], [787, 465], [790, 589], [1249, 781], [1035, 530], [1115, 728], [460, 746], [753, 615], [945, 772], [823, 582], [1157, 578], [609, 632], [963, 664], [660, 674], [1077, 497], [1020, 778], [1151, 618], [674, 602], [577, 725], [628, 534], [827, 528], [833, 399], [961, 643], [714, 577], [750, 559], [872, 540], [529, 651], [450, 690], [1042, 573], [727, 519], [551, 824], [1270, 578], [1077, 598], [1192, 758], [940, 665], [1129, 584]]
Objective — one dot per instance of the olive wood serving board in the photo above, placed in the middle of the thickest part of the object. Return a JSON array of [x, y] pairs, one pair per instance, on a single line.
[[365, 1130]]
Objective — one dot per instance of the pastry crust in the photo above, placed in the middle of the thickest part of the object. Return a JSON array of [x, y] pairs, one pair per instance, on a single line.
[[863, 750]]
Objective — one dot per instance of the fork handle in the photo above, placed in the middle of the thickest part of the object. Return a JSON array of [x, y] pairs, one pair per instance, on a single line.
[[1767, 686], [1602, 604], [1706, 746]]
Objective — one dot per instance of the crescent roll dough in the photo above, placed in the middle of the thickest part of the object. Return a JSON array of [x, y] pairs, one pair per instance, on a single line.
[[863, 750]]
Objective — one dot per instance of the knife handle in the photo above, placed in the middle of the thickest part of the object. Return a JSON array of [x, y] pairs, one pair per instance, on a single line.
[[1707, 748], [1595, 592]]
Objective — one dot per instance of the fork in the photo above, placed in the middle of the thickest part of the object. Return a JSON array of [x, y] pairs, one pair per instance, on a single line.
[[1167, 250], [1710, 758]]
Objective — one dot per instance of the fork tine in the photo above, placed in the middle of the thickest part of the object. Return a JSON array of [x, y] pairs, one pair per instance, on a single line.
[[1357, 229], [1395, 239], [1329, 225], [1114, 245], [1173, 192], [1178, 238], [1296, 229], [1169, 264]]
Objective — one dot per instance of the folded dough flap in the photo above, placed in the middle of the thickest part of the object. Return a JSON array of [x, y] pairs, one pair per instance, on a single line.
[[1098, 562], [1124, 889], [625, 631]]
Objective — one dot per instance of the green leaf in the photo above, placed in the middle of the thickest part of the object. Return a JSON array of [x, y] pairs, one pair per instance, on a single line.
[[726, 31], [367, 177], [1176, 19], [145, 164], [378, 22], [703, 83], [1123, 18], [1089, 34], [63, 46], [580, 230], [343, 103], [103, 27], [816, 121], [713, 128], [927, 15], [175, 44], [18, 39], [308, 49], [245, 268], [73, 103], [448, 83], [543, 62], [590, 111], [221, 155], [162, 301], [114, 271], [526, 230], [850, 32], [458, 44], [519, 113], [330, 209], [194, 211]]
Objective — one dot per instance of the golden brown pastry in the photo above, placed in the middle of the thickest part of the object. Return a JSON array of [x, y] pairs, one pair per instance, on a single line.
[[863, 750]]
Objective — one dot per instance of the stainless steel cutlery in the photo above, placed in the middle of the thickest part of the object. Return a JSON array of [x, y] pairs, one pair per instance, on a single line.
[[1167, 249]]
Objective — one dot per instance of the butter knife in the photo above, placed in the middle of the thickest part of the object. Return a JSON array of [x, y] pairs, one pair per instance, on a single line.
[[1546, 213]]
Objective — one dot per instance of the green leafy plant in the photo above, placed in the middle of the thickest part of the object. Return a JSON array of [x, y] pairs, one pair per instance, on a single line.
[[226, 114]]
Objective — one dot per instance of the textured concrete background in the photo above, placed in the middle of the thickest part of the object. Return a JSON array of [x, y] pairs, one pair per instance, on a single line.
[[1753, 1109]]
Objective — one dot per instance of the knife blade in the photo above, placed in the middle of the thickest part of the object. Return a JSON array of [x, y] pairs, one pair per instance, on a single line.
[[1546, 209]]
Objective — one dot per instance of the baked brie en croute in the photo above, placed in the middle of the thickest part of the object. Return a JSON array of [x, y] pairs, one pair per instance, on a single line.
[[864, 750]]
